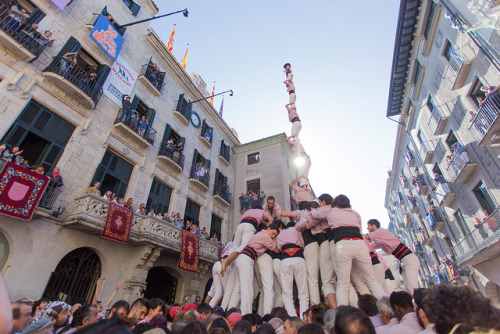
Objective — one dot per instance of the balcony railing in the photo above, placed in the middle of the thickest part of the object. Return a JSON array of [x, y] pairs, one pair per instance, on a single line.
[[171, 153], [195, 174], [151, 72], [426, 150], [486, 116], [224, 193], [22, 32], [435, 220], [85, 81], [50, 194], [418, 248], [131, 119], [459, 168], [485, 234], [455, 60], [437, 120], [91, 211], [444, 194]]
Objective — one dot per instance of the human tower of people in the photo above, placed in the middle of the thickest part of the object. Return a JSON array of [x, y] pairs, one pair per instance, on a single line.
[[321, 243]]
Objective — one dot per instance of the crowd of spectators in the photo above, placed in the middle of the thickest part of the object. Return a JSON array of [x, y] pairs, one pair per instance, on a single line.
[[441, 309], [174, 218], [15, 21], [247, 200]]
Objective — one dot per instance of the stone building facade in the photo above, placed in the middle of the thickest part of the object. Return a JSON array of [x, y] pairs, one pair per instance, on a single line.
[[443, 190], [57, 115]]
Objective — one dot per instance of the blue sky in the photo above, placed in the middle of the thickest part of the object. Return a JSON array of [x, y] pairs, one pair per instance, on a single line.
[[341, 55]]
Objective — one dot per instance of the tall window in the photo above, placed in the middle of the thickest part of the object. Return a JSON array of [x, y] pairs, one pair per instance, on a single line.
[[41, 135], [476, 91], [192, 212], [484, 198], [215, 226], [159, 197], [451, 139], [253, 185], [430, 17], [462, 224], [417, 73], [114, 173]]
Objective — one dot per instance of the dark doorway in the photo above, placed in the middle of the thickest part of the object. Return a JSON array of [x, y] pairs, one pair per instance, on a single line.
[[160, 284], [208, 286], [254, 185], [114, 173], [75, 277], [33, 146], [192, 212]]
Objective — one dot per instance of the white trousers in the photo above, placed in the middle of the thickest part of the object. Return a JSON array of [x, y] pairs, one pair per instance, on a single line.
[[219, 283], [349, 253], [326, 269], [265, 275], [294, 268], [292, 98], [244, 268], [379, 271], [243, 233], [278, 296], [296, 127], [410, 265], [232, 293], [311, 255]]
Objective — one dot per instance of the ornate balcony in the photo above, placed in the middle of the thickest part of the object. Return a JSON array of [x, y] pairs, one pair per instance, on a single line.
[[90, 214], [128, 122], [458, 65], [222, 196], [80, 84], [482, 243], [172, 158], [444, 194], [24, 42], [485, 125], [435, 220], [437, 121], [199, 181]]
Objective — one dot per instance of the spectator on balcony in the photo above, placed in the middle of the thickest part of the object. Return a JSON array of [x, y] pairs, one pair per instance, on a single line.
[[121, 202], [143, 125], [188, 226], [178, 223], [11, 156], [46, 40], [208, 135], [67, 62], [2, 150], [459, 150], [126, 104], [490, 220], [152, 212], [262, 197], [130, 204], [131, 121], [87, 80], [170, 147], [39, 169], [30, 35], [214, 237], [114, 198], [490, 90], [242, 202], [478, 122], [171, 218], [141, 209], [412, 199], [439, 179], [479, 225], [15, 20], [195, 230], [108, 195]]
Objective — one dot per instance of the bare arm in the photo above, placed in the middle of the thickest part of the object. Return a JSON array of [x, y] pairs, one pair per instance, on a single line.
[[94, 300], [288, 214], [110, 300]]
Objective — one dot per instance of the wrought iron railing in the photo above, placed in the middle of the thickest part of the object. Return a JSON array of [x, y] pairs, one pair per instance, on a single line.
[[153, 74], [487, 115], [224, 193], [433, 218], [484, 234], [50, 194], [417, 247], [131, 119], [195, 174], [442, 189], [436, 116], [455, 60], [170, 152], [87, 82], [456, 165], [427, 147], [21, 31]]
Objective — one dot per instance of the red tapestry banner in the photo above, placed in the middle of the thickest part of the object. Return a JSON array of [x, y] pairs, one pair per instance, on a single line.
[[190, 252], [20, 191], [118, 223]]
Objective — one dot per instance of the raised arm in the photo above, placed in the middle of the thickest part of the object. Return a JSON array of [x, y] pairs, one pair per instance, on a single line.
[[110, 300]]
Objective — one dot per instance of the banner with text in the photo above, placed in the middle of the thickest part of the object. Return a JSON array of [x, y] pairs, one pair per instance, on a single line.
[[120, 81], [107, 37]]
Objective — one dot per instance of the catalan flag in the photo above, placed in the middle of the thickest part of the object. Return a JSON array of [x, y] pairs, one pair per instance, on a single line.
[[183, 63], [213, 92], [170, 44], [221, 107]]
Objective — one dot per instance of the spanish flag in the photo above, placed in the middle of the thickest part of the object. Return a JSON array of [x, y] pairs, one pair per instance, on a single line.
[[212, 98], [170, 44], [183, 63]]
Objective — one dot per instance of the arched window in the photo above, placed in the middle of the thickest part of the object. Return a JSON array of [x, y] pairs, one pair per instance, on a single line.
[[4, 250], [75, 277]]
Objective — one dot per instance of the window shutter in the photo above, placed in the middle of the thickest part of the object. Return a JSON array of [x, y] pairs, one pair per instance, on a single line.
[[150, 116], [166, 135], [135, 103], [99, 174], [102, 72], [216, 182], [72, 45], [134, 8], [35, 17], [183, 141], [187, 110], [207, 163], [180, 103]]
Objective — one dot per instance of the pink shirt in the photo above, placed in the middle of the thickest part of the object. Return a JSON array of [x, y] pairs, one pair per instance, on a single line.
[[302, 194], [292, 113], [275, 212], [382, 260], [382, 238], [257, 214], [302, 221], [290, 236], [338, 217], [289, 86], [319, 225], [260, 242], [227, 249]]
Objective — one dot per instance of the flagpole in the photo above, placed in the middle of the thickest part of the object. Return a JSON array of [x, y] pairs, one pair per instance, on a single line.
[[227, 91], [184, 11]]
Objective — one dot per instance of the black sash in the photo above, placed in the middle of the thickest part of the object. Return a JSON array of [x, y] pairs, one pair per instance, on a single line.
[[374, 258], [291, 250], [250, 220], [346, 232], [249, 251], [401, 251]]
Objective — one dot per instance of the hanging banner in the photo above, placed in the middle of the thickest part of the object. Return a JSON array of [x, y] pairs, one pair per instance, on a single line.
[[61, 3], [118, 223], [107, 37], [120, 81], [190, 252], [20, 191]]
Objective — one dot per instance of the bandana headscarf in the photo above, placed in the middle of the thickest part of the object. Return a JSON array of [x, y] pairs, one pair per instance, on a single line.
[[52, 310]]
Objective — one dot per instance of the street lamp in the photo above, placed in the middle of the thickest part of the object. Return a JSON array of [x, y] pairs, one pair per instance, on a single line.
[[183, 11]]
